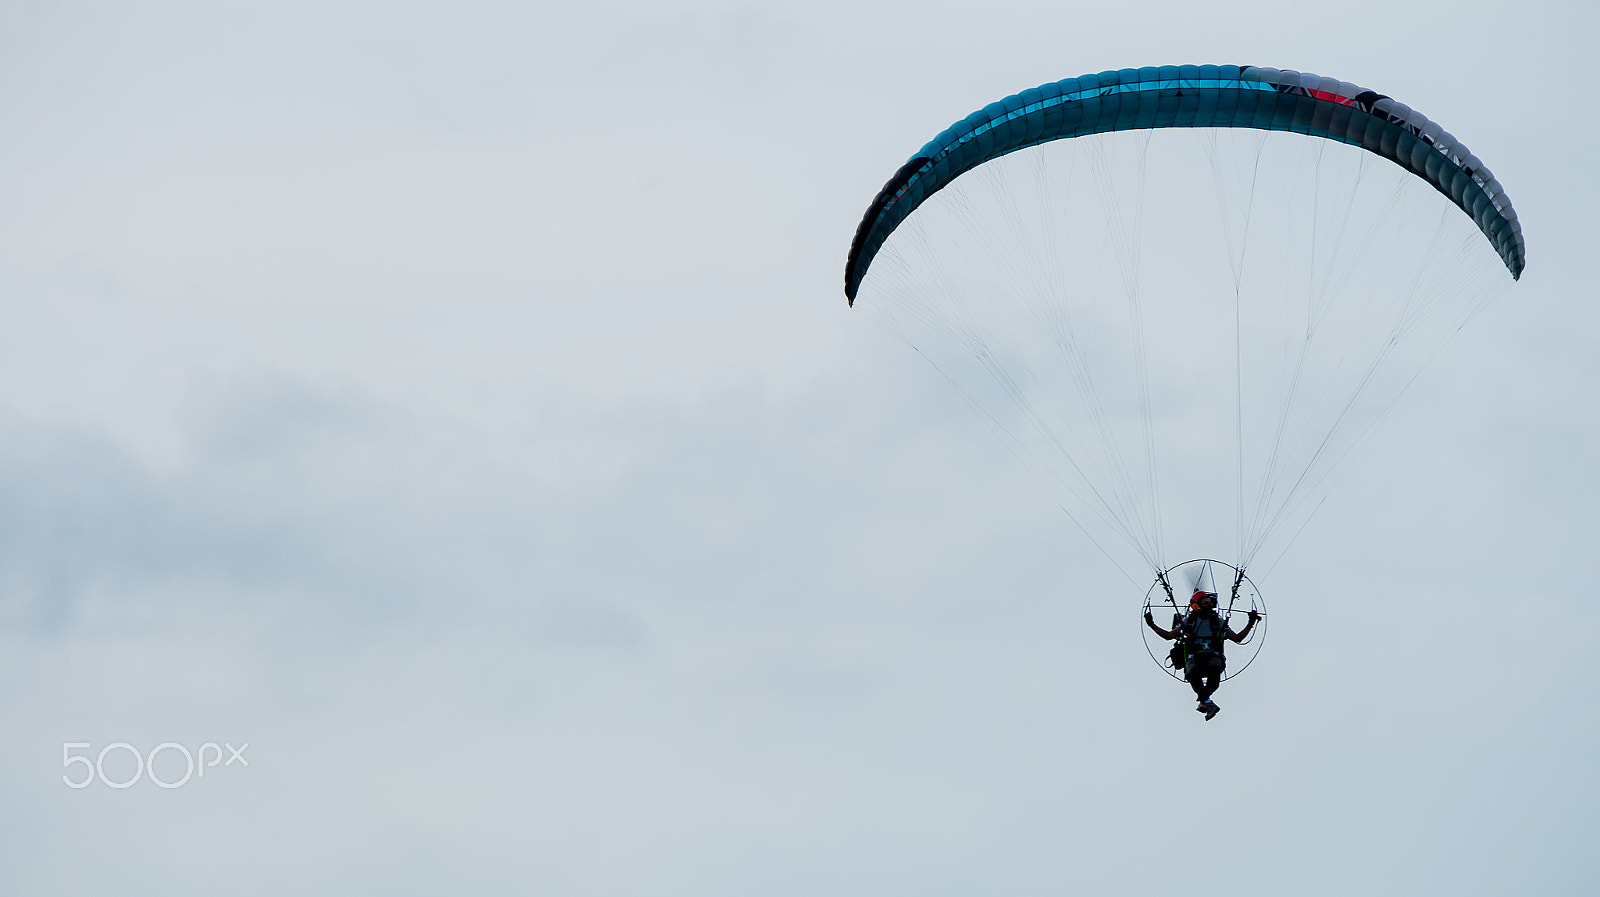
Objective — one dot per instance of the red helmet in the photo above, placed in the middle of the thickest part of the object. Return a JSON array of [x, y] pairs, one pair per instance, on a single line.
[[1194, 600]]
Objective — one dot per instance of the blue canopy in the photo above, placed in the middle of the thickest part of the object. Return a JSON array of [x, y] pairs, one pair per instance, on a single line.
[[1194, 96]]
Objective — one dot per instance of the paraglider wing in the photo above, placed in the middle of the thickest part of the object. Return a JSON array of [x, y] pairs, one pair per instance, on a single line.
[[1190, 96]]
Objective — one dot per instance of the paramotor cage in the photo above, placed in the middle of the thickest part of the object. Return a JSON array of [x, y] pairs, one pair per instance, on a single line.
[[1237, 598]]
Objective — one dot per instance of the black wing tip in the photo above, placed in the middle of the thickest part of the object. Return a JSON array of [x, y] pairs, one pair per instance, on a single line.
[[852, 277]]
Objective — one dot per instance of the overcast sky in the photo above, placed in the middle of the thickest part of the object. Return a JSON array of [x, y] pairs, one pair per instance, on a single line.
[[458, 403]]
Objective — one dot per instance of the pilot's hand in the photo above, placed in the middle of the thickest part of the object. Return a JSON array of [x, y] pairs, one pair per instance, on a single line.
[[1149, 619], [1255, 615]]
